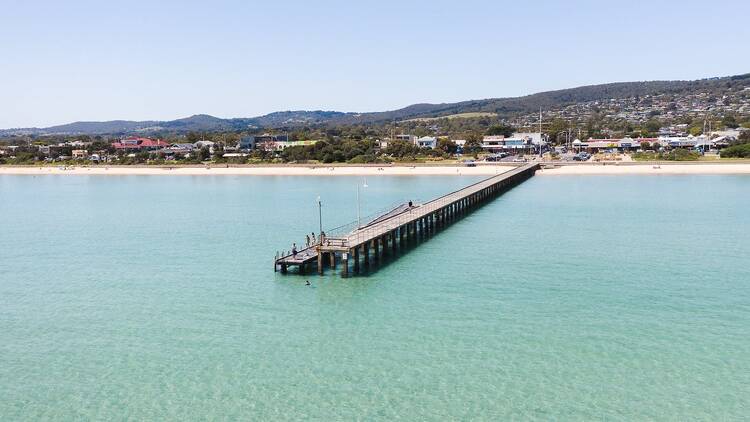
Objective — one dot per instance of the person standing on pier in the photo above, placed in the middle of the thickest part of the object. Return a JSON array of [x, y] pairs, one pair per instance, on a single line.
[[313, 237], [294, 250], [307, 240]]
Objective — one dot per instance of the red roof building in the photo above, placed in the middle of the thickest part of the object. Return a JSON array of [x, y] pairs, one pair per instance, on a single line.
[[139, 144]]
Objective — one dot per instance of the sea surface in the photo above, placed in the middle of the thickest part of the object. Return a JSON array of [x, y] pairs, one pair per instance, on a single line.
[[567, 298]]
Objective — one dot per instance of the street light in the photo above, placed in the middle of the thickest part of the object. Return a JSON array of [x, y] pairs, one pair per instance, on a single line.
[[320, 217], [359, 211]]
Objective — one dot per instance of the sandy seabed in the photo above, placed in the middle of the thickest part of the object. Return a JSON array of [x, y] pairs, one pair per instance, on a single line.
[[486, 170]]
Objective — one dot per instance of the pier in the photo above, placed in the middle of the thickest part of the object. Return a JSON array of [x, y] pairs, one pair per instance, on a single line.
[[400, 227]]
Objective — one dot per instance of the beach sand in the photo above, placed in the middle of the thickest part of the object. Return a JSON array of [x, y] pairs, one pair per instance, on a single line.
[[481, 170]]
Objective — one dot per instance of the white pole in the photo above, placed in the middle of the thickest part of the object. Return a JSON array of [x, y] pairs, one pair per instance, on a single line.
[[320, 216], [359, 223]]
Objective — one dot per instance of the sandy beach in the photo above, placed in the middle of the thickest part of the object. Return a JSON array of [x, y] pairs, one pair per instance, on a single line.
[[481, 170]]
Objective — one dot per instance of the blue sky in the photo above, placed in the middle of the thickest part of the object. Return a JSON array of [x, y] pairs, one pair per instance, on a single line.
[[64, 61]]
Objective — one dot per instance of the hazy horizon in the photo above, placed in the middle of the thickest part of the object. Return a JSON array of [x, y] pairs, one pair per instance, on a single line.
[[84, 61]]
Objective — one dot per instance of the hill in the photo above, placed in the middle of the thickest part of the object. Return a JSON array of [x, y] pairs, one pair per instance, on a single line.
[[502, 107]]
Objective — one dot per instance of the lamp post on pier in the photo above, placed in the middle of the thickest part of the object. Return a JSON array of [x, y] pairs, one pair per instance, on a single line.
[[359, 208], [320, 217]]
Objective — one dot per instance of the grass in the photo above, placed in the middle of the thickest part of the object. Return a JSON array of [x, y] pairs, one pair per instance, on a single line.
[[454, 116]]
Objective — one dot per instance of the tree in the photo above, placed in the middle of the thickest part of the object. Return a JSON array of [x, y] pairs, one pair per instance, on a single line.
[[401, 149], [501, 129], [645, 145], [557, 127], [652, 126], [446, 146], [204, 153], [730, 121], [736, 151], [473, 144]]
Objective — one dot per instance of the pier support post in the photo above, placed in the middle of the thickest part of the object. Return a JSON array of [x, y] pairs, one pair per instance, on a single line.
[[366, 252], [332, 257], [356, 259], [393, 242], [376, 248], [345, 263], [320, 262]]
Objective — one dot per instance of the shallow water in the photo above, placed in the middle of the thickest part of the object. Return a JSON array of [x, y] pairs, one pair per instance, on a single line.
[[567, 298]]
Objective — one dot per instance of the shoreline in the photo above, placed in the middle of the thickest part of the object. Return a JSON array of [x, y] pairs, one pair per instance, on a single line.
[[634, 168]]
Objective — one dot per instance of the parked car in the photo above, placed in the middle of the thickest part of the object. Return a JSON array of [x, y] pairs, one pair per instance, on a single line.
[[582, 156], [470, 163]]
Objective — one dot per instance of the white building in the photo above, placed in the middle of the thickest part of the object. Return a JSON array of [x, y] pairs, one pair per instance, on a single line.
[[426, 142]]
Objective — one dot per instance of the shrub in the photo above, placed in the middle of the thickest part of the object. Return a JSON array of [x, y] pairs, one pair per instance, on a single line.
[[682, 155], [737, 151], [645, 156]]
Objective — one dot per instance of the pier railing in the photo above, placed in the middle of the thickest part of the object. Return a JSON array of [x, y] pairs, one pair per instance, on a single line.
[[370, 232]]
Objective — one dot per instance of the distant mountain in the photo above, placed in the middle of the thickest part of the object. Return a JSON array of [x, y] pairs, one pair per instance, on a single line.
[[501, 106]]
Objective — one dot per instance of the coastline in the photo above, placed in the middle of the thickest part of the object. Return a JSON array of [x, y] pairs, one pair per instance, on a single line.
[[548, 169]]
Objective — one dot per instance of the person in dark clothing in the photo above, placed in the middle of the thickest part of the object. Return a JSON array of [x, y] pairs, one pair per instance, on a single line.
[[294, 250]]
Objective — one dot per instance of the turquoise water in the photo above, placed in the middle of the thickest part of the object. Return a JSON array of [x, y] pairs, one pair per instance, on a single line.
[[568, 298]]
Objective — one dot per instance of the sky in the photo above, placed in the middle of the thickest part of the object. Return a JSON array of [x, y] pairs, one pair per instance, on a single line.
[[73, 60]]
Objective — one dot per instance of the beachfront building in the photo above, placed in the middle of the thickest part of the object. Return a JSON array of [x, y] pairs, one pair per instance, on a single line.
[[280, 146], [79, 153], [201, 144], [518, 143], [408, 138], [265, 142], [460, 144], [626, 144], [426, 142], [139, 144], [493, 143], [174, 150], [689, 142]]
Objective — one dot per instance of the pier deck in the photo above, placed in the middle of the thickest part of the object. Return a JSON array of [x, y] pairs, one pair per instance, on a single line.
[[397, 228]]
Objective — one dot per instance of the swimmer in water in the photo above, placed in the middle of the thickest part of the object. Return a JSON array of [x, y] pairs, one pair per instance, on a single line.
[[307, 283]]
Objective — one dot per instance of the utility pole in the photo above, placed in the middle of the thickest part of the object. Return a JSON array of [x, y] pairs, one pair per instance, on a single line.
[[540, 131]]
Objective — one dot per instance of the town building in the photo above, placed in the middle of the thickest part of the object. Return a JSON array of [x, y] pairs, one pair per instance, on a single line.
[[518, 143], [266, 142], [139, 144], [408, 138], [426, 142]]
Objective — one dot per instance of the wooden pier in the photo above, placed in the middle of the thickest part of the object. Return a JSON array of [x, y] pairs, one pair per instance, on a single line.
[[398, 228]]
